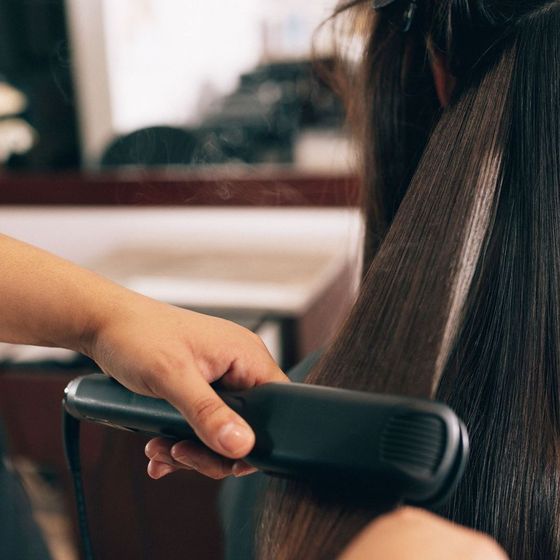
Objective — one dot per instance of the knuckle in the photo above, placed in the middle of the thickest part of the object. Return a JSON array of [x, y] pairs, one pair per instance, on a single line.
[[403, 515], [206, 408], [262, 346], [250, 336], [408, 512], [256, 338]]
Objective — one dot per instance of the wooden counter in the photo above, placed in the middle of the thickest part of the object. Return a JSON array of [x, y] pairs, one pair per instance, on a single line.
[[268, 187]]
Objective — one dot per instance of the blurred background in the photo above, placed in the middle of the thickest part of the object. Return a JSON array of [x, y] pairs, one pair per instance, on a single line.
[[166, 82], [193, 151]]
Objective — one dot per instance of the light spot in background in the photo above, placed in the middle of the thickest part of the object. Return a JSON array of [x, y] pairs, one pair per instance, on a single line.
[[168, 59]]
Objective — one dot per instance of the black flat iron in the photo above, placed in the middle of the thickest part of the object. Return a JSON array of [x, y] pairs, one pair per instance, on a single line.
[[366, 443]]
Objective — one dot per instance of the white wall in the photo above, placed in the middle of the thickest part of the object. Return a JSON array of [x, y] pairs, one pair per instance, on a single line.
[[165, 55], [144, 62], [91, 79]]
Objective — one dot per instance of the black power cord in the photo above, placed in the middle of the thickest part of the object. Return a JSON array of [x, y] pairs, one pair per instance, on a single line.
[[71, 439]]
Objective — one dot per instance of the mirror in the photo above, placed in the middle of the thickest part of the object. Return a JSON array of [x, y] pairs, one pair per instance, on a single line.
[[104, 84]]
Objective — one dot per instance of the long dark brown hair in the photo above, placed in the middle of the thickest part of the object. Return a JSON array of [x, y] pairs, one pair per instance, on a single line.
[[461, 298]]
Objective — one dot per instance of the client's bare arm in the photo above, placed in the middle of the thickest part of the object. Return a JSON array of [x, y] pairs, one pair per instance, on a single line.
[[152, 348], [414, 534]]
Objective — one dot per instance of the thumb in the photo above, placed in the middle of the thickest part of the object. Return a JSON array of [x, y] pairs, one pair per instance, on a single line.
[[217, 425]]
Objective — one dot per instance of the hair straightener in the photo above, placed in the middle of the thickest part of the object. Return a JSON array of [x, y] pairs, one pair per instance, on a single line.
[[366, 443]]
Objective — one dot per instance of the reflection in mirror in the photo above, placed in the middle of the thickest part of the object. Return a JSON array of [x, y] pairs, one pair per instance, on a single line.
[[105, 83], [38, 121]]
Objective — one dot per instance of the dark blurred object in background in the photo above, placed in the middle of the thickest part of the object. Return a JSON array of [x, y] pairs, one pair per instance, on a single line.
[[34, 58], [153, 146], [17, 136], [262, 121], [258, 123]]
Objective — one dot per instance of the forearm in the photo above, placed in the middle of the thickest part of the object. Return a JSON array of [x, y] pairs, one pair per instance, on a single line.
[[151, 348], [47, 301]]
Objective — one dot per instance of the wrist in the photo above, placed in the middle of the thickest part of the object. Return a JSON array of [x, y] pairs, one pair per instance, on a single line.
[[107, 310]]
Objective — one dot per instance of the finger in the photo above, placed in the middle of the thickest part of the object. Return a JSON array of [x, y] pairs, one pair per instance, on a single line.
[[219, 427], [158, 446], [253, 371], [201, 459], [241, 468], [263, 371], [168, 460], [158, 450], [157, 470]]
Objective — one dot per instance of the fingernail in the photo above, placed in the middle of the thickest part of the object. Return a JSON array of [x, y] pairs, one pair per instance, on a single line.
[[164, 471], [234, 437], [240, 469]]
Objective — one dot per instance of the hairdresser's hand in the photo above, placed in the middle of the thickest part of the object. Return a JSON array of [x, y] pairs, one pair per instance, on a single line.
[[166, 352], [410, 533]]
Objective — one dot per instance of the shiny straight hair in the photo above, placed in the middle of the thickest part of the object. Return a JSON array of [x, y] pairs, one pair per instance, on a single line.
[[460, 300]]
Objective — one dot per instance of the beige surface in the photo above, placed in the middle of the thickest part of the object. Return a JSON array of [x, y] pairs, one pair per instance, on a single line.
[[243, 266], [285, 282]]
